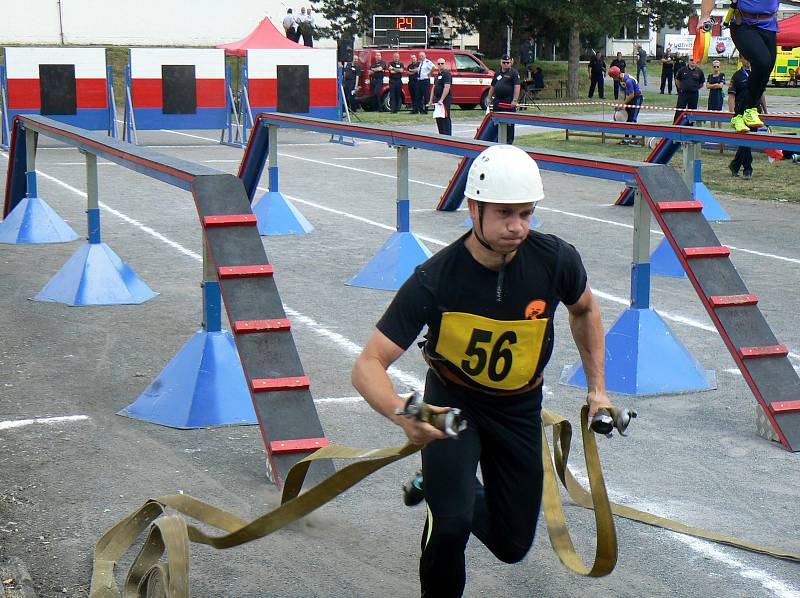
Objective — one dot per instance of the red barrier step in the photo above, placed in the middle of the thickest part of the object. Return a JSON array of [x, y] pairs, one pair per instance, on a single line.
[[697, 252], [276, 384], [230, 220], [785, 407], [733, 300], [768, 351], [225, 272], [300, 445], [251, 326], [679, 206]]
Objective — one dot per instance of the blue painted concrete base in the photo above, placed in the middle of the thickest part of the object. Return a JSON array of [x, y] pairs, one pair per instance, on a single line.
[[712, 210], [643, 357], [33, 221], [664, 262], [393, 263], [202, 386], [535, 223], [95, 275], [277, 216]]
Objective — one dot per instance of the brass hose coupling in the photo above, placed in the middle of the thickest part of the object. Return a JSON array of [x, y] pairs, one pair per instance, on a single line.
[[604, 421], [451, 423]]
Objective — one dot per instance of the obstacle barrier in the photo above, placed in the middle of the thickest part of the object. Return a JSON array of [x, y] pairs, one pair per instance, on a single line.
[[763, 361], [70, 85], [205, 383], [175, 88]]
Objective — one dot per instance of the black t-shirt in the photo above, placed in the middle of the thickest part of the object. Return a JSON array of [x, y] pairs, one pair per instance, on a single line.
[[503, 83], [738, 84], [716, 79], [378, 75], [667, 65], [413, 76], [597, 67], [350, 71], [443, 78], [620, 64], [396, 76], [691, 79], [469, 329]]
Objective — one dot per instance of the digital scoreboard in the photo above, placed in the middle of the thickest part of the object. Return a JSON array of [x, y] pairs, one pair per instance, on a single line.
[[400, 30]]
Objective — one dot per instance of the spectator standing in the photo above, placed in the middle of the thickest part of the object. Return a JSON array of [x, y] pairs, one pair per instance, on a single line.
[[689, 82], [667, 71], [413, 83], [620, 63], [504, 93], [441, 95], [641, 64], [289, 25], [424, 83], [396, 83], [305, 27], [597, 73], [715, 83], [376, 72], [739, 85], [351, 74]]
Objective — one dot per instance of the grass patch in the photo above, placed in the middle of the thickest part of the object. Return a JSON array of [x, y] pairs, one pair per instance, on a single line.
[[777, 181]]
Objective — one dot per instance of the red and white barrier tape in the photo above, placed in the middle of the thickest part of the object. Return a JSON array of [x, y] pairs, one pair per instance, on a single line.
[[641, 107]]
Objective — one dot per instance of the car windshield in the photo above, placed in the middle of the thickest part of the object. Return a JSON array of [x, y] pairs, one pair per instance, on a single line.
[[467, 64]]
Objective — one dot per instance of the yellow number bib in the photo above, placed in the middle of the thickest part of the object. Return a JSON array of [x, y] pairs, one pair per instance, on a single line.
[[499, 354]]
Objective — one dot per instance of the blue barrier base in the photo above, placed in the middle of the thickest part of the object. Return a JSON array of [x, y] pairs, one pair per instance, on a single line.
[[202, 386], [712, 210], [393, 263], [277, 216], [33, 221], [664, 262], [643, 357], [95, 275], [535, 222]]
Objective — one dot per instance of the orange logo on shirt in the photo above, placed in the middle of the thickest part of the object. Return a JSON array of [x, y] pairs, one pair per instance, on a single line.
[[535, 309]]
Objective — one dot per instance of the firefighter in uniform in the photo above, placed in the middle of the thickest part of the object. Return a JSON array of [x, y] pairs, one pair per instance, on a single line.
[[504, 94], [376, 71], [396, 83], [442, 89], [488, 302]]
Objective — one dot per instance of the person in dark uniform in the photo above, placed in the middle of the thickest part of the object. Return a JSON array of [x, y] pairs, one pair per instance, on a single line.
[[376, 72], [413, 83], [396, 83], [715, 84], [492, 292], [753, 30], [689, 82], [597, 73], [504, 94], [744, 156], [620, 63], [441, 95], [667, 71], [424, 82], [351, 74]]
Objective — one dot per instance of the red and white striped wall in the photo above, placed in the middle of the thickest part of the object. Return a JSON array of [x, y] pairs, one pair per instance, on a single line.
[[262, 76], [146, 87]]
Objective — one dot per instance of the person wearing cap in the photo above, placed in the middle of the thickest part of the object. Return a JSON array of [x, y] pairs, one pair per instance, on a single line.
[[441, 95], [715, 84], [487, 302], [689, 82], [620, 63], [504, 94], [754, 28], [632, 98]]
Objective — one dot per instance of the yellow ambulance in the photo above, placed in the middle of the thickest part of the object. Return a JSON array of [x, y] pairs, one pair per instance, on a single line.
[[786, 68]]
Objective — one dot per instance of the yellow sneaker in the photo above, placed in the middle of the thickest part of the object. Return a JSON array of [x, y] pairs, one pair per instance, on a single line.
[[738, 124], [751, 118]]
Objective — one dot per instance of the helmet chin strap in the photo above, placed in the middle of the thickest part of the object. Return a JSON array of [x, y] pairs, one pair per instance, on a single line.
[[479, 236]]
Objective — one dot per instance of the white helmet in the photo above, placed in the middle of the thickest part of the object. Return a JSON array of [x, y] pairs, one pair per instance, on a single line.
[[504, 174]]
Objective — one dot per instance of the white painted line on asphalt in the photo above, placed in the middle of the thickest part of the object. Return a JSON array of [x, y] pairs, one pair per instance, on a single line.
[[329, 400], [19, 423], [370, 158], [80, 164]]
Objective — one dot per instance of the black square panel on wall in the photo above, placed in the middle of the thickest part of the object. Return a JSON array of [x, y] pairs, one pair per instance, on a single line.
[[178, 89], [293, 88], [57, 89]]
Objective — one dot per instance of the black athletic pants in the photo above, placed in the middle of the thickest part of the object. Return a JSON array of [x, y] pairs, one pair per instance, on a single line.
[[758, 46], [743, 159], [686, 99], [666, 80], [504, 437], [600, 83], [395, 94]]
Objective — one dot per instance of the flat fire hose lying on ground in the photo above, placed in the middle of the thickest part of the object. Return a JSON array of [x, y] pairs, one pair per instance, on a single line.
[[150, 577]]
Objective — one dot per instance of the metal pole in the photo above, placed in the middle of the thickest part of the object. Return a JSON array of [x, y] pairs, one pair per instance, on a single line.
[[272, 132], [403, 202], [30, 163], [640, 266], [502, 132], [212, 297], [690, 155], [92, 198]]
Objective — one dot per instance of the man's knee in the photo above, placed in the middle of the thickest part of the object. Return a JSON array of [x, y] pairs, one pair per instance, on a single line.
[[450, 533], [511, 552]]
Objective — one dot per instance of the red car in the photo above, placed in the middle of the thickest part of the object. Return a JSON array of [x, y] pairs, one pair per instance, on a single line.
[[471, 78]]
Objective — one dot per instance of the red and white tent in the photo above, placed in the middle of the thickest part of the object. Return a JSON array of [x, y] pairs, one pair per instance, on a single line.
[[265, 35], [789, 31]]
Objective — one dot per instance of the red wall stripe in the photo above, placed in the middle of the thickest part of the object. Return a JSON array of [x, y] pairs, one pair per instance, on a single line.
[[147, 93], [25, 94], [264, 92]]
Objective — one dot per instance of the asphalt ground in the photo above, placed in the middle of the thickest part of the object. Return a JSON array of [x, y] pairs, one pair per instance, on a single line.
[[693, 457]]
